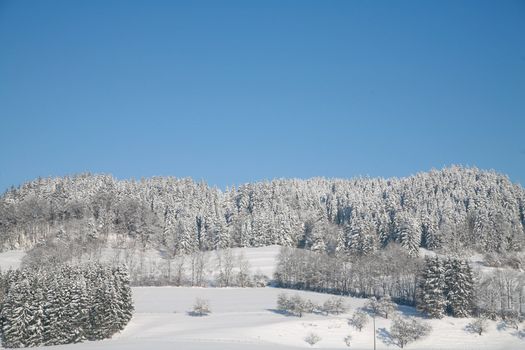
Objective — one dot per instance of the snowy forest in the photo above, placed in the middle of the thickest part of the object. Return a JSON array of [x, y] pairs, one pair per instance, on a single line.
[[451, 210], [64, 304], [403, 240]]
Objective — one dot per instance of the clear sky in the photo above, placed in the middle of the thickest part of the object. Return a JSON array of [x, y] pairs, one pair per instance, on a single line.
[[233, 92]]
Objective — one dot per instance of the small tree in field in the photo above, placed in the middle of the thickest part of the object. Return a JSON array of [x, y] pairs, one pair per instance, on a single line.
[[404, 331], [358, 320], [297, 305], [294, 305], [283, 303], [310, 307], [373, 306], [334, 305], [201, 307], [479, 325], [348, 340], [312, 339], [386, 306]]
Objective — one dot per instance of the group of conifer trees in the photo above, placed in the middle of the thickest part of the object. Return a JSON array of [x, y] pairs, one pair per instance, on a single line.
[[64, 304], [445, 286], [447, 210]]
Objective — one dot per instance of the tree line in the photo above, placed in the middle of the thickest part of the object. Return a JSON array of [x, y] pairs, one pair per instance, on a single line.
[[436, 286], [453, 209], [361, 276], [63, 304]]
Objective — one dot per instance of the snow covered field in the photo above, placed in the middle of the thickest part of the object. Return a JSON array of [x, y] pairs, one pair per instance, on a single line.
[[245, 318]]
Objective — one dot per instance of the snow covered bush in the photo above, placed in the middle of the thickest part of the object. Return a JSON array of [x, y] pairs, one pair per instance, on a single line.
[[404, 331], [478, 325], [334, 305], [348, 340], [65, 304], [297, 305], [282, 302], [260, 280], [511, 318], [312, 338], [294, 305], [310, 307], [358, 320], [201, 307]]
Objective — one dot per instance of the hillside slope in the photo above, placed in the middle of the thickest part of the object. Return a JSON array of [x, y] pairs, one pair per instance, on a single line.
[[451, 209]]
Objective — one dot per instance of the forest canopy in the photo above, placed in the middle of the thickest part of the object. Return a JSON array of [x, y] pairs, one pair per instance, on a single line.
[[452, 209]]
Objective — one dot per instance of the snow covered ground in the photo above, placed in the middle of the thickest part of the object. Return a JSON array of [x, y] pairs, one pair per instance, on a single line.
[[245, 318], [11, 259]]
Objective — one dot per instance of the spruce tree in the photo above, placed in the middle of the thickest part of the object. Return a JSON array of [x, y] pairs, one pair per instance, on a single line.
[[124, 307], [459, 287], [17, 314], [52, 311], [431, 287]]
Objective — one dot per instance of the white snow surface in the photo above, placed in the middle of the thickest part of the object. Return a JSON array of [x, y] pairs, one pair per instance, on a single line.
[[245, 318], [11, 259]]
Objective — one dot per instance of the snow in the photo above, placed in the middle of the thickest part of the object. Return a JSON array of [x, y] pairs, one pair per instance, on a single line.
[[244, 318], [11, 259]]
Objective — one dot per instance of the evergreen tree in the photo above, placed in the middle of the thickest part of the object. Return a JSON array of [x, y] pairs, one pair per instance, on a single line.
[[124, 298], [408, 233], [18, 314], [431, 288], [459, 287]]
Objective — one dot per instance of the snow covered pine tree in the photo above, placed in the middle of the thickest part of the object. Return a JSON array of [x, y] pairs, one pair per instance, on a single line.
[[431, 288], [65, 304]]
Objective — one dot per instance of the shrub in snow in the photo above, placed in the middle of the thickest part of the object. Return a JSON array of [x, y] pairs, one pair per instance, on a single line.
[[294, 305], [479, 325], [260, 280], [348, 340], [310, 307], [334, 305], [201, 307], [283, 304], [297, 305], [511, 318], [404, 331], [312, 339], [358, 320]]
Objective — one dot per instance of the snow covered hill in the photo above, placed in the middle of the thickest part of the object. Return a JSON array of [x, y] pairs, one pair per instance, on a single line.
[[244, 318]]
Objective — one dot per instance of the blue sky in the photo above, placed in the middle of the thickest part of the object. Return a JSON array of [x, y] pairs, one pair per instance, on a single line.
[[237, 91]]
